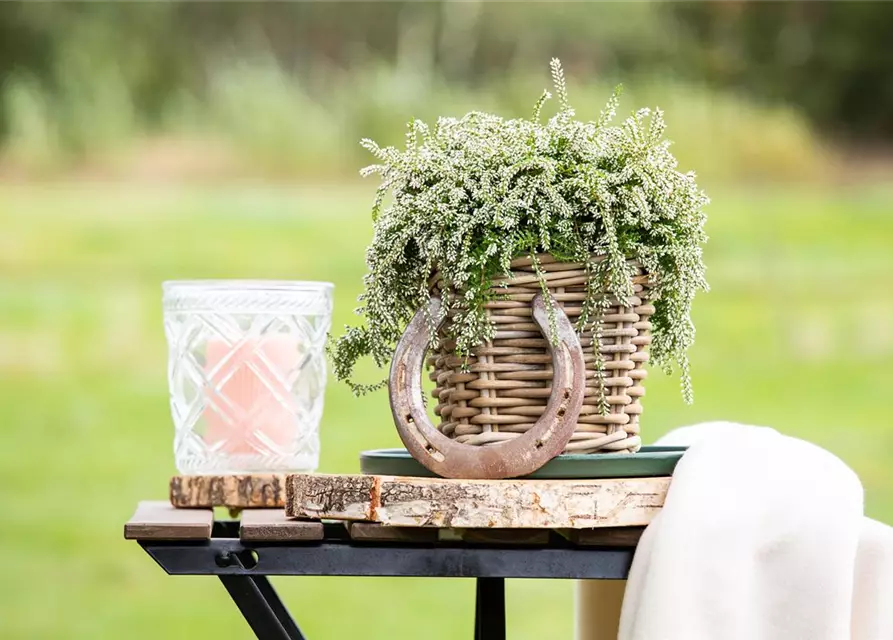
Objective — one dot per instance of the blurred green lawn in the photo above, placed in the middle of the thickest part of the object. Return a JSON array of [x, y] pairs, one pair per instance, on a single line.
[[797, 333]]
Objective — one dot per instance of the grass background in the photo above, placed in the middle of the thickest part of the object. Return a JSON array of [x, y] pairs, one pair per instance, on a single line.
[[797, 333]]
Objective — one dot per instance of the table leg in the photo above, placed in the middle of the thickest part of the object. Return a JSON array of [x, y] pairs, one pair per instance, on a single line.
[[261, 607], [597, 609], [489, 609]]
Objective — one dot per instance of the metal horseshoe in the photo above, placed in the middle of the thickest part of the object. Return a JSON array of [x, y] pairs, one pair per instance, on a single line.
[[517, 457]]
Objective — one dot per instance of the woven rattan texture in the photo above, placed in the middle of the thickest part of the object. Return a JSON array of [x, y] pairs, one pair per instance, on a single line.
[[507, 383]]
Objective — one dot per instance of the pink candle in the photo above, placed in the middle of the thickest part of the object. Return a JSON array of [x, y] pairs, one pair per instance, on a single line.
[[249, 407]]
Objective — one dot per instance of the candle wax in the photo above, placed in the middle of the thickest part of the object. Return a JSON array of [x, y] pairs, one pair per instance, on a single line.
[[249, 407]]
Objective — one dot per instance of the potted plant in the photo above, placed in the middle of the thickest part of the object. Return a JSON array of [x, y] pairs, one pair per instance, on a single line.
[[485, 213]]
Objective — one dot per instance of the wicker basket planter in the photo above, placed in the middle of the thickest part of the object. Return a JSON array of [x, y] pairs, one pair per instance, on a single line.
[[516, 385], [507, 384]]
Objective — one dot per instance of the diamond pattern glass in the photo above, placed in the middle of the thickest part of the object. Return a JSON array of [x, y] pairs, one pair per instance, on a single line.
[[247, 373]]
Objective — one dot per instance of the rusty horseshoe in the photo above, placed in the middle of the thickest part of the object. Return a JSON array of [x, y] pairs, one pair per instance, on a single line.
[[517, 457]]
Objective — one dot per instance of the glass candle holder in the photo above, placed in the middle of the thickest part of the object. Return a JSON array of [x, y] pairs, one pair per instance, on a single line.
[[247, 373]]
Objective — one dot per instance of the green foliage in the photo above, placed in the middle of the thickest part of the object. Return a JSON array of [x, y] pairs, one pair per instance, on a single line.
[[772, 51], [776, 50], [471, 194], [263, 120], [263, 113], [94, 86]]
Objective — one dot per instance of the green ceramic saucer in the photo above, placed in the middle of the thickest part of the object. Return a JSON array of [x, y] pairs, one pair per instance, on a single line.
[[647, 462]]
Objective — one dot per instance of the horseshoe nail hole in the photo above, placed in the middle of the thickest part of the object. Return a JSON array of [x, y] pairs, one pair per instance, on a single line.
[[409, 419], [539, 444], [430, 449], [561, 412], [567, 394]]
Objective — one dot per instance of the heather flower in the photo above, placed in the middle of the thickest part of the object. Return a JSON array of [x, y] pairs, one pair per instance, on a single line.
[[467, 195]]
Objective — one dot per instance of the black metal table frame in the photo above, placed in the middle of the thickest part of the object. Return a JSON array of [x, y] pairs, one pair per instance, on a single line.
[[243, 568]]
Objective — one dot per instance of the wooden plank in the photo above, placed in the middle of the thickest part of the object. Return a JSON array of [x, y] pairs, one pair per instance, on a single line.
[[472, 504], [604, 537], [248, 491], [271, 525], [160, 521], [373, 532]]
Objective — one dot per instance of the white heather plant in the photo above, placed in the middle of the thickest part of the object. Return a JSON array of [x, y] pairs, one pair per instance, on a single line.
[[471, 194]]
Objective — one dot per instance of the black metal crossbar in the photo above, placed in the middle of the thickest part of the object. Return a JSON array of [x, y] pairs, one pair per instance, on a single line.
[[243, 569], [217, 557]]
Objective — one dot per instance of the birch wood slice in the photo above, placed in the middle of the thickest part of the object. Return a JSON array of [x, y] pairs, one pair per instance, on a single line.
[[249, 491], [503, 504]]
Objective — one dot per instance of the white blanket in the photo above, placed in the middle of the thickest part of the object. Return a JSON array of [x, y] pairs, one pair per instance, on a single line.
[[762, 537]]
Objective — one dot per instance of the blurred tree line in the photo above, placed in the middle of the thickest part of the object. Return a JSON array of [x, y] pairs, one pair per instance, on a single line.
[[833, 60]]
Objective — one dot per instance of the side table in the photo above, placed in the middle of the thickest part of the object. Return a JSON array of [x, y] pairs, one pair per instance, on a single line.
[[264, 543]]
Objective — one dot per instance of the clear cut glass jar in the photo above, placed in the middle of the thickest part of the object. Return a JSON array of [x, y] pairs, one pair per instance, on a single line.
[[247, 373]]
